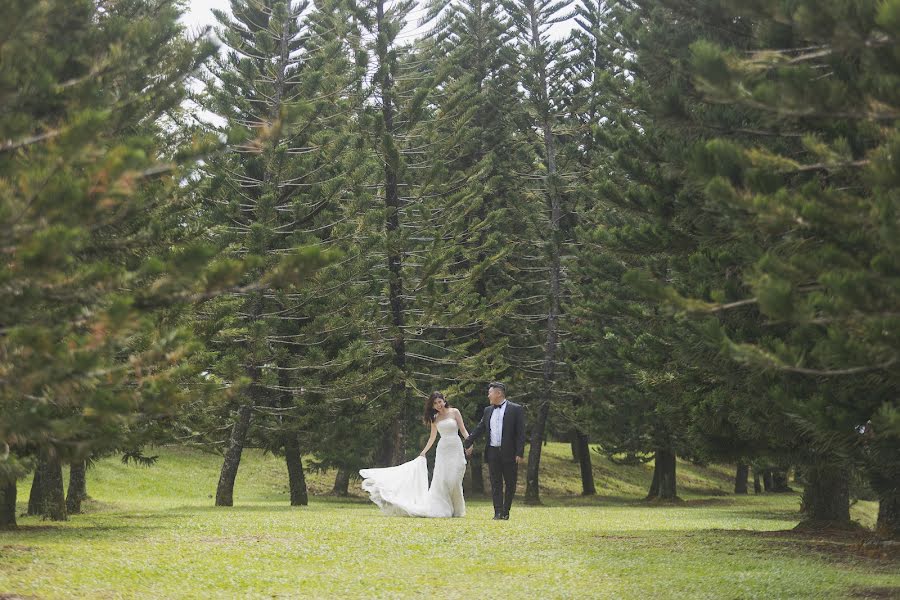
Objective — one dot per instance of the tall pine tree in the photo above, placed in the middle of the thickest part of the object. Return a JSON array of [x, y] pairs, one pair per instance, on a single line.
[[270, 87], [88, 202], [826, 212]]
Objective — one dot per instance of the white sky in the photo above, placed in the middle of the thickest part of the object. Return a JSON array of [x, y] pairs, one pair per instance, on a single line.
[[199, 15]]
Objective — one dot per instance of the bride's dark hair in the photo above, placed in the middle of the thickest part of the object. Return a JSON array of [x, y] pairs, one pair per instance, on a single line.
[[428, 417]]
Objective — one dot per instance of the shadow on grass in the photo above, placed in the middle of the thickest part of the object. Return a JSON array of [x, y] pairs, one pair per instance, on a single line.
[[266, 506], [704, 491], [581, 501], [100, 520], [835, 547], [238, 508], [636, 502], [842, 545], [63, 533], [772, 514], [875, 592]]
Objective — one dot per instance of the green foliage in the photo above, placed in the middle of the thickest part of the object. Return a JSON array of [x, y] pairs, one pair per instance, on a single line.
[[470, 287], [651, 249], [820, 210], [774, 222], [265, 204], [89, 189], [679, 225]]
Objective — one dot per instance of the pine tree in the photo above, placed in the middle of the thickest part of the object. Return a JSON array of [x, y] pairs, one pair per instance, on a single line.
[[386, 24], [825, 210], [407, 324], [274, 90], [472, 153], [86, 182], [625, 365], [645, 374], [542, 68], [587, 68]]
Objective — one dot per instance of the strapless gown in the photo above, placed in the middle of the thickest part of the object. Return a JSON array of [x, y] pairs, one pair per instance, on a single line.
[[403, 490]]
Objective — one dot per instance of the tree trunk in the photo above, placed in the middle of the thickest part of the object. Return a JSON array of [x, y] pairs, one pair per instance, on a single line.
[[826, 497], [532, 486], [8, 493], [77, 487], [740, 478], [392, 450], [51, 498], [757, 486], [225, 489], [36, 496], [477, 470], [296, 478], [341, 483], [780, 481], [654, 483], [888, 524], [667, 482], [573, 442], [663, 486], [584, 459], [768, 480], [554, 243]]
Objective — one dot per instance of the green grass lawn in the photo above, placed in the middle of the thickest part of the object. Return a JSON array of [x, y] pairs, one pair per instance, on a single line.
[[153, 533]]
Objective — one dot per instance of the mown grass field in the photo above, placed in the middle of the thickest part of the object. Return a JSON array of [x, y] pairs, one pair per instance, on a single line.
[[153, 533]]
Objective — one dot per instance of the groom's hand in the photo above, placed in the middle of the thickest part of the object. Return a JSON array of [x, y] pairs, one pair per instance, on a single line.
[[520, 460], [470, 450]]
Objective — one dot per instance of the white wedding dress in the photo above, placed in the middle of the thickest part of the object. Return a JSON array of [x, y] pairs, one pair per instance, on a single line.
[[403, 490]]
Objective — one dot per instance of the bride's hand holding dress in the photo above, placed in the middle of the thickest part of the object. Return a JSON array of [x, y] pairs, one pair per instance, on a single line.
[[403, 490]]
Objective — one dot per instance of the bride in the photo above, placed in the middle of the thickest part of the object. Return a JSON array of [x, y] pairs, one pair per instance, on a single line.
[[403, 490]]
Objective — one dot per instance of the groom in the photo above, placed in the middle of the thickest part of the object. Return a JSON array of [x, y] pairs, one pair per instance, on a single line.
[[505, 423]]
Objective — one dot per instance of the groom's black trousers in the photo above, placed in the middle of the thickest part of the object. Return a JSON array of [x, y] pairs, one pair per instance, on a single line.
[[501, 472]]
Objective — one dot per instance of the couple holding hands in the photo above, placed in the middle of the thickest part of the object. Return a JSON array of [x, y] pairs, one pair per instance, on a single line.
[[404, 490]]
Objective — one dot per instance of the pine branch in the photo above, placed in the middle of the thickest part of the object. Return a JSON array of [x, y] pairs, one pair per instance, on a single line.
[[28, 141], [827, 166], [722, 307], [836, 372]]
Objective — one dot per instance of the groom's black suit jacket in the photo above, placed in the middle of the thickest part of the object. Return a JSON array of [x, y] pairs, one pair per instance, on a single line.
[[512, 442]]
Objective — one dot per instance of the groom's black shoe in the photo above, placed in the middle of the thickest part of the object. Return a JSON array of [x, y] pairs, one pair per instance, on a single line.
[[498, 517], [505, 516]]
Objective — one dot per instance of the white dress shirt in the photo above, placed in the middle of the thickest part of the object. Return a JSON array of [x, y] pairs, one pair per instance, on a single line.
[[497, 424]]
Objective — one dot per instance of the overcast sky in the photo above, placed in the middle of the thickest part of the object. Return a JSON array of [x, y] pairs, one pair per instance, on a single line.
[[199, 15]]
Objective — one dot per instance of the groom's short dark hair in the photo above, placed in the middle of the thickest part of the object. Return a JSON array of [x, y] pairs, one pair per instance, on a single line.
[[498, 385]]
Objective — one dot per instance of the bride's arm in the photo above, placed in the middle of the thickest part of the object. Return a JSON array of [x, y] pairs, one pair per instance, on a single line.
[[430, 439], [462, 426]]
